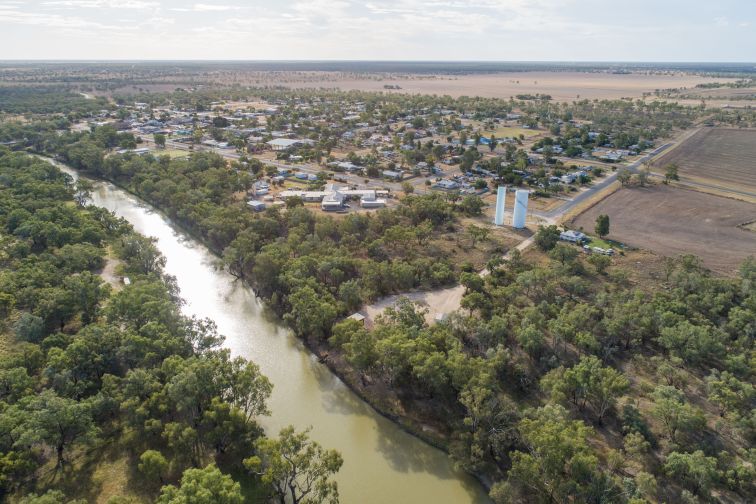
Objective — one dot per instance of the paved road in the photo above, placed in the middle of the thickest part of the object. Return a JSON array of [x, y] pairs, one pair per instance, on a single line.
[[444, 301], [309, 168], [551, 215]]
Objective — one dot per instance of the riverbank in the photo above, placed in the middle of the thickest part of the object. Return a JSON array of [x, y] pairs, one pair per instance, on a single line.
[[423, 462], [330, 356]]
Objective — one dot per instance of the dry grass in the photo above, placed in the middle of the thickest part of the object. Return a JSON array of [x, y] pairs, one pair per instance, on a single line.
[[173, 153], [95, 476], [457, 246], [112, 480], [590, 202], [562, 86], [515, 131]]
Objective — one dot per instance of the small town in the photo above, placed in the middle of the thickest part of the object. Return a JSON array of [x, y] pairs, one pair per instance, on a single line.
[[395, 252], [349, 156]]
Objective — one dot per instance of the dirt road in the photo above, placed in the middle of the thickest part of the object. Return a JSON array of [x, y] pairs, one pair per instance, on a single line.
[[439, 302], [444, 301]]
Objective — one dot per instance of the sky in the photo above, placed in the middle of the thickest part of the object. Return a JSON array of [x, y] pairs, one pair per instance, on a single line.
[[446, 30]]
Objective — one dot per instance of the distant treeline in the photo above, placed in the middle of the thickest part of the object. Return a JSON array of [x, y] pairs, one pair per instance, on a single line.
[[47, 100], [445, 67]]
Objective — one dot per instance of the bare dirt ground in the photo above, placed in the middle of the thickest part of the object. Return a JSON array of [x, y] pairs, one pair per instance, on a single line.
[[672, 221], [746, 93], [714, 104], [723, 156], [718, 97], [562, 86], [109, 272], [443, 301], [447, 300]]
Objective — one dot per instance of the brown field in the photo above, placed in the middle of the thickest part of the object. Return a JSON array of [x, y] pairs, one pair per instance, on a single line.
[[724, 157], [714, 104], [562, 86], [672, 221], [725, 93]]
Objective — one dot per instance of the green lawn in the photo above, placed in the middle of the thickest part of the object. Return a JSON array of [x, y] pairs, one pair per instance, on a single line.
[[174, 153], [514, 131], [595, 241]]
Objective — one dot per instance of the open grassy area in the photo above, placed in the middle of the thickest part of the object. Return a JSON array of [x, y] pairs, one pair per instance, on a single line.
[[173, 153], [97, 477], [595, 241], [516, 131]]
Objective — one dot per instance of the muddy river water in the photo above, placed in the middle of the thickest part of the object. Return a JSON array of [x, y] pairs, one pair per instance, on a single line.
[[382, 463]]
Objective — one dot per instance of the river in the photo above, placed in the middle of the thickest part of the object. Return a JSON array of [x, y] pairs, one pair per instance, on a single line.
[[382, 463]]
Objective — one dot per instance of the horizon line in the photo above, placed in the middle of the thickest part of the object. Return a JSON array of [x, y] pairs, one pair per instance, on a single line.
[[321, 60]]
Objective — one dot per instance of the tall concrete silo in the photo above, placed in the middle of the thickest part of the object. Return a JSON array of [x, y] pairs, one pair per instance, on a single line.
[[501, 199], [520, 208]]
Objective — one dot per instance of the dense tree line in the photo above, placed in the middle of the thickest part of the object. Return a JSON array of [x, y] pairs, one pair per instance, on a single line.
[[559, 379], [48, 100], [88, 366], [548, 366], [561, 332], [310, 268]]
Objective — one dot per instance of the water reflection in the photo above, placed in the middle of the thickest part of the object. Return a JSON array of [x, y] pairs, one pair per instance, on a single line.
[[382, 462]]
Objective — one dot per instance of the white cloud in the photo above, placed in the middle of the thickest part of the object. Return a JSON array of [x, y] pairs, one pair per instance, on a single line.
[[201, 7], [159, 22], [371, 29], [97, 4], [53, 20]]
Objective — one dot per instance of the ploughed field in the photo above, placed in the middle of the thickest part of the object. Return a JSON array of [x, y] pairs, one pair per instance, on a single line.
[[672, 221], [561, 86], [722, 156]]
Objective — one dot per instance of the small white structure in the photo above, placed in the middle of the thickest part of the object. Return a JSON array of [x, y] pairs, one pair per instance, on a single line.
[[261, 188], [501, 199], [393, 175], [256, 205], [369, 200], [282, 144], [332, 202], [447, 185], [305, 195], [602, 251], [520, 208], [573, 236], [568, 178], [139, 152]]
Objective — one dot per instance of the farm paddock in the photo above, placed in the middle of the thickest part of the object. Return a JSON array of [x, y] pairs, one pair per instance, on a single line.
[[671, 221], [722, 156]]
